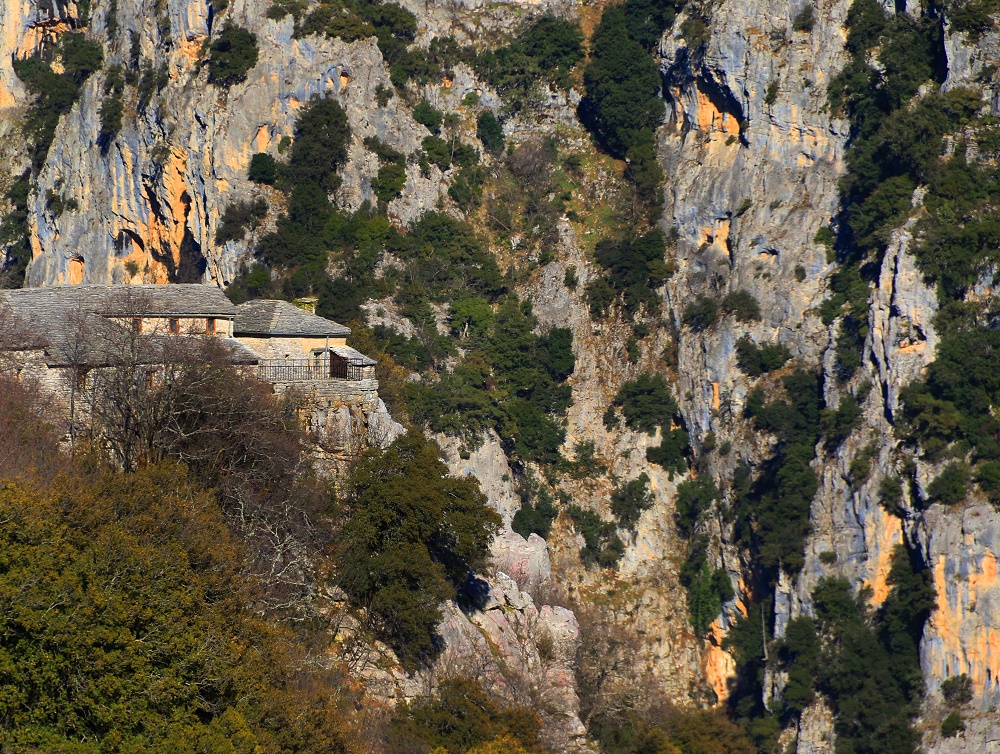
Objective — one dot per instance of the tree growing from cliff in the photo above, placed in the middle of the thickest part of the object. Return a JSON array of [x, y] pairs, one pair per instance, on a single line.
[[412, 538], [647, 402], [319, 150], [634, 268], [545, 49], [490, 133], [772, 512], [232, 55], [623, 86], [55, 93]]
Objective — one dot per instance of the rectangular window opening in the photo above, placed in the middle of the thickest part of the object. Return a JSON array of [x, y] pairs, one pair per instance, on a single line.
[[175, 325], [210, 325]]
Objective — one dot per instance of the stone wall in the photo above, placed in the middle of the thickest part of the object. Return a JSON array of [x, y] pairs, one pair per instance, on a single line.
[[278, 347], [345, 417]]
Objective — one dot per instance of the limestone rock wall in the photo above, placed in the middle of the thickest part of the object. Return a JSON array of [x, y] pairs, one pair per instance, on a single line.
[[752, 156], [154, 198]]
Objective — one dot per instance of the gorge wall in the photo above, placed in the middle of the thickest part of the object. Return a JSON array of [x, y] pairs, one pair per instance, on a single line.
[[752, 153]]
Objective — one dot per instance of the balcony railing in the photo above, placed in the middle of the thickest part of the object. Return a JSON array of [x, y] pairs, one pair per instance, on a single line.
[[304, 370]]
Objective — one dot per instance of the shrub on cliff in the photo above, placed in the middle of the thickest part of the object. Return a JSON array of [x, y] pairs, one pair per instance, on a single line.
[[629, 500], [957, 691], [319, 151], [707, 590], [772, 511], [391, 178], [601, 544], [490, 133], [545, 49], [694, 497], [950, 486], [701, 314], [535, 517], [429, 116], [672, 452], [647, 402], [634, 268], [232, 55], [263, 169], [742, 305], [112, 109], [237, 217], [756, 360]]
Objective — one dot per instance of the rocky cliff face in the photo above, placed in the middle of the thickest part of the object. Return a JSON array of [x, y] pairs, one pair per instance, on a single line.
[[752, 155], [155, 197]]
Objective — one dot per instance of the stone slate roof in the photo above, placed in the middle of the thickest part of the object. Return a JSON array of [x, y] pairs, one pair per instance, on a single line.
[[355, 357], [47, 307], [59, 351], [50, 318], [263, 317]]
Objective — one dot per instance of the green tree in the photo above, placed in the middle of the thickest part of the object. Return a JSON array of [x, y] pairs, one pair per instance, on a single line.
[[742, 305], [694, 497], [535, 517], [319, 149], [55, 93], [623, 86], [427, 115], [754, 360], [634, 269], [647, 402], [629, 500], [263, 169], [772, 511], [412, 537], [490, 133], [949, 487], [232, 55], [545, 49], [125, 625], [701, 314], [601, 544]]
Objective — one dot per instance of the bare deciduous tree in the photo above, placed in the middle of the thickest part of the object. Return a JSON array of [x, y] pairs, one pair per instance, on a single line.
[[153, 396], [607, 680], [29, 442], [124, 355], [76, 344]]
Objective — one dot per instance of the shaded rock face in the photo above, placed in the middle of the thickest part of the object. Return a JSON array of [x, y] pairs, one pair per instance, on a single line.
[[752, 157], [847, 519], [750, 181], [646, 585]]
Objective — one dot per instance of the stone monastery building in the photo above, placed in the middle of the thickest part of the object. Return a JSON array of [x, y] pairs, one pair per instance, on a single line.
[[58, 327]]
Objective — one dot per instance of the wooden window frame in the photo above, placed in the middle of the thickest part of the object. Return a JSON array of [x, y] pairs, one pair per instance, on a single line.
[[174, 325], [210, 325]]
